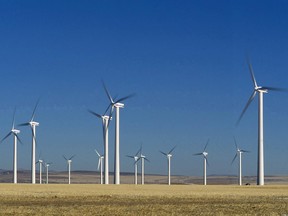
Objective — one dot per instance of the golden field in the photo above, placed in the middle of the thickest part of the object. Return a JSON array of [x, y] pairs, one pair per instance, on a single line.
[[92, 199]]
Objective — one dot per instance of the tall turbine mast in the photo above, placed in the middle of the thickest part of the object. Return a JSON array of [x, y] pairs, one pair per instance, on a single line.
[[100, 165], [135, 157], [69, 161], [105, 121], [33, 124], [15, 132], [260, 90], [117, 105], [169, 155], [239, 153], [205, 161]]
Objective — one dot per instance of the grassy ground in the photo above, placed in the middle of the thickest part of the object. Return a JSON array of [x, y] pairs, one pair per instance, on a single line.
[[80, 199]]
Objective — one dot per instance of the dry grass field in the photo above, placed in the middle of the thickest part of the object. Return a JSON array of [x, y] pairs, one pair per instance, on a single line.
[[92, 199]]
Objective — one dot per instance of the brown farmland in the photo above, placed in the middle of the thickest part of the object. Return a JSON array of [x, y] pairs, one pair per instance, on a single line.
[[92, 199]]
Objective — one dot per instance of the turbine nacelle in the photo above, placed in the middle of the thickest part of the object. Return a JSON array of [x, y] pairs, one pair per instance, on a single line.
[[106, 117], [205, 154], [261, 89], [118, 105], [33, 123], [15, 131]]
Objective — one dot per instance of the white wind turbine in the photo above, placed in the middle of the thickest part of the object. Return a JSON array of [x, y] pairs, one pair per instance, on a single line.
[[105, 120], [117, 105], [40, 162], [33, 125], [15, 132], [47, 171], [135, 157], [142, 158], [169, 155], [260, 90], [100, 165], [205, 160], [239, 154], [69, 161]]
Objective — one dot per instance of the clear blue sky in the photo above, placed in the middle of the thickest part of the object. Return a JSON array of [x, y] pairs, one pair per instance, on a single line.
[[185, 60]]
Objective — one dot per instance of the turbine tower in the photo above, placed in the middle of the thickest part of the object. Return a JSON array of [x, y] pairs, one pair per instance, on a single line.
[[47, 171], [105, 120], [239, 153], [15, 132], [117, 105], [260, 90], [142, 158], [69, 161], [33, 124], [135, 157], [169, 155], [100, 165], [205, 160], [40, 169]]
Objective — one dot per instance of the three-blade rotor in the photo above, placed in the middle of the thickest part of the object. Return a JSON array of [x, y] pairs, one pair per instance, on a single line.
[[113, 102], [258, 89]]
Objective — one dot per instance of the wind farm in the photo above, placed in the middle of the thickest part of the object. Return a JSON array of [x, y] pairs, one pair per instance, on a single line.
[[96, 78]]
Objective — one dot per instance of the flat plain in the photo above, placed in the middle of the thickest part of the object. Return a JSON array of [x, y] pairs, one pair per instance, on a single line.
[[128, 199]]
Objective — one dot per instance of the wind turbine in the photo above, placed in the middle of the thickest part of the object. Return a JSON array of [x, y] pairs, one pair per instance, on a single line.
[[100, 165], [205, 160], [33, 125], [105, 120], [69, 161], [117, 105], [47, 170], [15, 132], [135, 157], [260, 90], [40, 161], [169, 155], [142, 158], [239, 153]]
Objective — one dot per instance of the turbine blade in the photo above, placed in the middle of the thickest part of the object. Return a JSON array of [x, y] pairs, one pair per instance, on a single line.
[[234, 158], [6, 136], [246, 107], [18, 139], [275, 89], [13, 122], [138, 151], [146, 159], [99, 161], [33, 114], [235, 142], [125, 98], [107, 108], [252, 73], [24, 124], [163, 153], [97, 152], [95, 114], [129, 156], [107, 92], [64, 157], [206, 145], [207, 161], [245, 151], [172, 150], [110, 115], [198, 153], [72, 157], [33, 136]]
